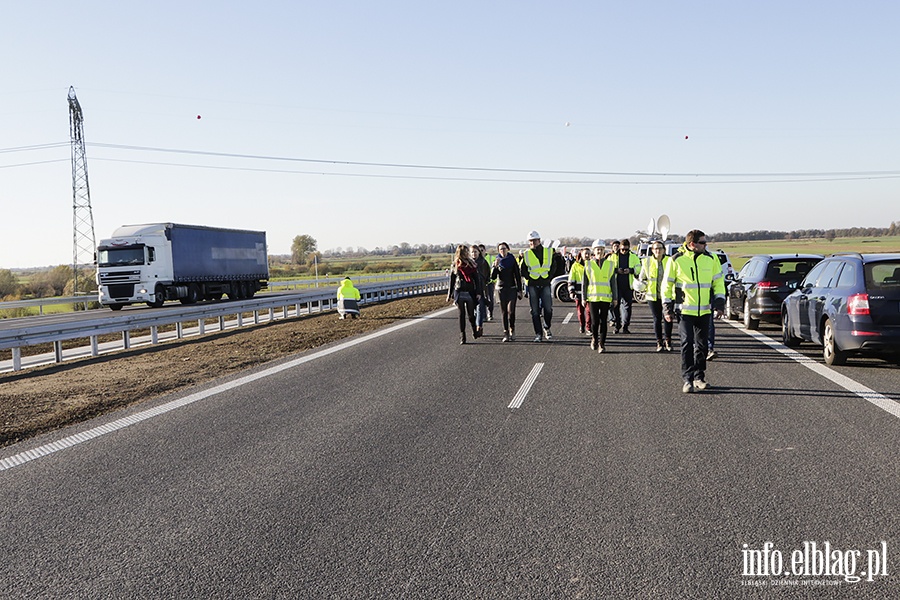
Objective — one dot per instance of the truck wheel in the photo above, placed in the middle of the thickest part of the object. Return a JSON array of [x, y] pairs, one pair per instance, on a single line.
[[234, 290], [250, 289], [193, 294], [160, 294], [115, 306]]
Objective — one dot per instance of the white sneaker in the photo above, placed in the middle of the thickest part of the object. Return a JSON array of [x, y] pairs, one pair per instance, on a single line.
[[712, 354], [687, 388], [537, 338], [700, 384], [505, 337], [548, 335]]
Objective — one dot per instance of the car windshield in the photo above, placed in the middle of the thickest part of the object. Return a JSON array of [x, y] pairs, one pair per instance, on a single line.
[[885, 274], [789, 269]]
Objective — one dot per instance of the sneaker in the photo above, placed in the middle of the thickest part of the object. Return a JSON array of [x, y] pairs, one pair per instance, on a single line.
[[593, 344], [537, 338], [490, 316], [700, 384], [478, 333], [625, 330], [687, 388], [548, 335], [712, 354], [505, 337], [617, 330], [462, 337], [512, 334], [659, 347], [581, 330], [668, 345], [601, 349]]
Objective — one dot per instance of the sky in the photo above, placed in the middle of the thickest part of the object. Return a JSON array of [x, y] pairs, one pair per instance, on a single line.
[[370, 124]]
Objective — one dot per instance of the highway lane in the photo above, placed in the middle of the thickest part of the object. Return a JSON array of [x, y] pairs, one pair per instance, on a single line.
[[395, 468]]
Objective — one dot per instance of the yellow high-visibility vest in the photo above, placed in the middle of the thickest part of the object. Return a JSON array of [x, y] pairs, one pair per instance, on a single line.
[[700, 278], [538, 269], [597, 278]]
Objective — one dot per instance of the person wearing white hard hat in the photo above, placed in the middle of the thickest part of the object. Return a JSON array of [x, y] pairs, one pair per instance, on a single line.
[[539, 266], [598, 290]]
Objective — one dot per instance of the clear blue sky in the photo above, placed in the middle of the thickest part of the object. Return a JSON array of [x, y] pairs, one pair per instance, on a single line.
[[762, 115]]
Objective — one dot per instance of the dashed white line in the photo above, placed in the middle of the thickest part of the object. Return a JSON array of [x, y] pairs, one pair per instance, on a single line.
[[526, 386]]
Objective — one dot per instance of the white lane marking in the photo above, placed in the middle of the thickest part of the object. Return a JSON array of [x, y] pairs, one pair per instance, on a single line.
[[881, 401], [526, 386], [84, 436], [568, 318]]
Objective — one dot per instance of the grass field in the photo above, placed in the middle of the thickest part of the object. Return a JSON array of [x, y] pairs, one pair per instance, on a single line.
[[739, 252]]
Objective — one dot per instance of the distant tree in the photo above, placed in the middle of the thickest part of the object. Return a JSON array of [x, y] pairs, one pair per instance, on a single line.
[[9, 285], [50, 283], [301, 247], [830, 235]]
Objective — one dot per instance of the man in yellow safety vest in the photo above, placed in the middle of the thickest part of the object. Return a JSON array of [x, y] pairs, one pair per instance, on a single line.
[[699, 276], [539, 266]]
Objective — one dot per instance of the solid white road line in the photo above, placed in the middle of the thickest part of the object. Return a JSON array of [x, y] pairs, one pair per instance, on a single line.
[[568, 318], [84, 436], [526, 386], [881, 401]]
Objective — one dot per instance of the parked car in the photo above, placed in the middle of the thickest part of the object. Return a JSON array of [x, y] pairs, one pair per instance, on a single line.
[[560, 287], [848, 303], [727, 268], [763, 283]]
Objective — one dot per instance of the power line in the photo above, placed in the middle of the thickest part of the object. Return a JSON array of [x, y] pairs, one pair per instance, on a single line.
[[493, 180]]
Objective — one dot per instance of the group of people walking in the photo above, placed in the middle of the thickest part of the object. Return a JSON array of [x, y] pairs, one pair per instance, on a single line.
[[687, 288]]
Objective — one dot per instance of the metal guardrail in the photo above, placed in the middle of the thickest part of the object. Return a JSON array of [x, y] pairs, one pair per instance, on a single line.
[[15, 336], [40, 303]]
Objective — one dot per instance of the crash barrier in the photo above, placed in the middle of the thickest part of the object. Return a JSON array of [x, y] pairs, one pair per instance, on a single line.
[[83, 301], [18, 333]]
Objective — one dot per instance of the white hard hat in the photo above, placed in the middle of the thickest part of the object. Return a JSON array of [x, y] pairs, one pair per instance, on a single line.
[[598, 244], [534, 235]]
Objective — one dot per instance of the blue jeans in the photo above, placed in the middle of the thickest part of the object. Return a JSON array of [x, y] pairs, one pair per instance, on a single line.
[[541, 301], [694, 345]]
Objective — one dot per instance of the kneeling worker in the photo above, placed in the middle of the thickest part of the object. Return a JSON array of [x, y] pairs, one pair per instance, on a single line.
[[348, 299]]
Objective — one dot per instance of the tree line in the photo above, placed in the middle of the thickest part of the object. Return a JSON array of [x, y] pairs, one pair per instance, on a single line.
[[803, 234]]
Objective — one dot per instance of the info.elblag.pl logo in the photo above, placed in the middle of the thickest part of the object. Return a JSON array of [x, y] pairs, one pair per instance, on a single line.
[[812, 564]]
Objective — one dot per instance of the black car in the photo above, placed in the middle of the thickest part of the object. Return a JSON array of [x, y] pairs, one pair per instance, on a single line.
[[762, 285], [848, 303]]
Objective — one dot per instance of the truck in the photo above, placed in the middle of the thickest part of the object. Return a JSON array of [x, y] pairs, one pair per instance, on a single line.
[[156, 262]]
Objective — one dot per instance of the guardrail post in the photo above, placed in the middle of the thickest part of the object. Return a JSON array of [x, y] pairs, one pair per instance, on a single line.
[[179, 330], [95, 347], [222, 322], [201, 326], [57, 351], [154, 335], [240, 321], [17, 358], [126, 340]]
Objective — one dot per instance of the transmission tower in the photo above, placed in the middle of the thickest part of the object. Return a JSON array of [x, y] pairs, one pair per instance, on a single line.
[[84, 243]]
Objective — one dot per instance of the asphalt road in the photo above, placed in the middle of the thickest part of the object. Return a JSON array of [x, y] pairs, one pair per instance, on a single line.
[[393, 466]]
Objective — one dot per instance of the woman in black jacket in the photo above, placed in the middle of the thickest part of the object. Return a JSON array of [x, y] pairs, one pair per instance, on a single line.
[[465, 290], [509, 287]]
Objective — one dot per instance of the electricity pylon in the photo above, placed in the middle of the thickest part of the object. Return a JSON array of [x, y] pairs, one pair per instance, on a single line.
[[84, 244]]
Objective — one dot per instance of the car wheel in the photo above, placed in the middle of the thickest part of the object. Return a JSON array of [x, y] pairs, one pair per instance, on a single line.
[[640, 297], [729, 310], [832, 354], [562, 293], [789, 340], [749, 322]]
